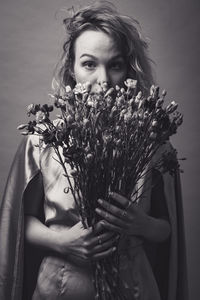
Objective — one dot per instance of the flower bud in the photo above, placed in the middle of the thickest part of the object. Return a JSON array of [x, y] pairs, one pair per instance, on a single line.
[[122, 90], [146, 115], [159, 103], [22, 126], [117, 128], [86, 122], [31, 109], [152, 135], [109, 92], [152, 88], [179, 121], [109, 101], [123, 111], [104, 86], [89, 158], [127, 117], [141, 123], [139, 95], [154, 123], [118, 143], [120, 101], [171, 107], [69, 119]]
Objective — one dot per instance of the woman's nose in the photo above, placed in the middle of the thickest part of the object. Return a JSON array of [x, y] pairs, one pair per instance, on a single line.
[[103, 76]]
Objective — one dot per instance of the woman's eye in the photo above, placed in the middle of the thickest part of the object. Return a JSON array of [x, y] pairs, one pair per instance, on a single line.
[[116, 66], [90, 65]]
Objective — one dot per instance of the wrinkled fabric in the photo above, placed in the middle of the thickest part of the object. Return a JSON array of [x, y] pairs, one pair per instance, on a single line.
[[59, 208], [25, 166]]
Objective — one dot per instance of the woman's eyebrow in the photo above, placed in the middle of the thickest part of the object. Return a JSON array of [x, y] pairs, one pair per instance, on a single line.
[[117, 56], [90, 55]]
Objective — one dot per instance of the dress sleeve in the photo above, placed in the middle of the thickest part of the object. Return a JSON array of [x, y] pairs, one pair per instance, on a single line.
[[172, 263], [158, 199], [25, 166]]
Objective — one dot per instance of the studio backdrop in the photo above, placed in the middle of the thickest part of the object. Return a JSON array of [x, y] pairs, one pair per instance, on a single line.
[[30, 46]]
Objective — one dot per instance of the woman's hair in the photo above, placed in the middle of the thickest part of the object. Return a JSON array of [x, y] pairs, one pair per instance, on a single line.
[[103, 16]]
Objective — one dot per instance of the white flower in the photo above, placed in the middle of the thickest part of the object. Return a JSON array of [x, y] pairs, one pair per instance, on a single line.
[[82, 88], [130, 83], [68, 89], [127, 117], [40, 116]]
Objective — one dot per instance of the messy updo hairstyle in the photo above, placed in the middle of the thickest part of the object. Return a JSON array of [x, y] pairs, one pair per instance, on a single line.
[[103, 16]]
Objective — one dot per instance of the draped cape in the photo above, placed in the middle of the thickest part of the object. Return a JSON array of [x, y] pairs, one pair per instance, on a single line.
[[13, 275]]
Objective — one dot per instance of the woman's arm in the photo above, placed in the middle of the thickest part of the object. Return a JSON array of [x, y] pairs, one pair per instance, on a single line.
[[35, 231], [77, 241]]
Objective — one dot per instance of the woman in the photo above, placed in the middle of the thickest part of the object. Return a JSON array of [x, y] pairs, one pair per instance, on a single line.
[[103, 48]]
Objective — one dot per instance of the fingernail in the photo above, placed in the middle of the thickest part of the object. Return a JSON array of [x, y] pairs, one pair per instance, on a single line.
[[111, 194], [97, 210], [100, 201], [114, 249]]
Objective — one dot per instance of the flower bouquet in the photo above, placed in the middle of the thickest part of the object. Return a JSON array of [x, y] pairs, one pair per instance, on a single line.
[[108, 137]]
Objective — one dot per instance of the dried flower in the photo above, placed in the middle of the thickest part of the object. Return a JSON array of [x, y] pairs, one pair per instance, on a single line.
[[89, 158], [31, 109], [86, 122], [82, 88], [130, 83], [40, 116], [22, 126], [154, 123], [171, 107], [69, 119], [152, 135]]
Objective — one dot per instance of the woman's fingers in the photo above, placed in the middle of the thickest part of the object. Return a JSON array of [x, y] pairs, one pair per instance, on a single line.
[[103, 246], [104, 254], [101, 238], [119, 198], [114, 210], [99, 245], [111, 218], [112, 227]]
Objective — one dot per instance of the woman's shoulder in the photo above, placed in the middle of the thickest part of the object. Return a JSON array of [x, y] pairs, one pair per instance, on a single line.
[[165, 158]]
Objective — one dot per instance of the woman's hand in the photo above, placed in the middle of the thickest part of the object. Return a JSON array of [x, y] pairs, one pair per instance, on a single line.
[[86, 244], [131, 219]]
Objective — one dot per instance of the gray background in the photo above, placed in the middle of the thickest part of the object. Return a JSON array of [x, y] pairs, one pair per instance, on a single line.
[[30, 45]]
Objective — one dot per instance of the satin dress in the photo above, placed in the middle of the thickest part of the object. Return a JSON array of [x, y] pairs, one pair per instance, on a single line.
[[69, 278], [147, 277]]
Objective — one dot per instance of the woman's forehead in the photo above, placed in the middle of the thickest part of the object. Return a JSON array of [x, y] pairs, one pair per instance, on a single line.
[[97, 44]]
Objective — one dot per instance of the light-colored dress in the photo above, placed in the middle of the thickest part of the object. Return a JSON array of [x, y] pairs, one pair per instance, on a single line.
[[63, 277], [67, 278]]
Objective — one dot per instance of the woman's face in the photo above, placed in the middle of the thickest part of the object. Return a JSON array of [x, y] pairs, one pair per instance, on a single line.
[[98, 59]]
